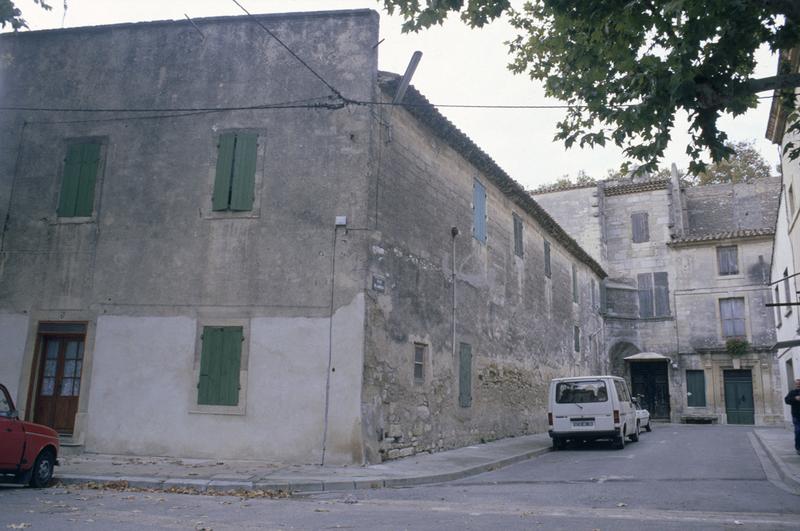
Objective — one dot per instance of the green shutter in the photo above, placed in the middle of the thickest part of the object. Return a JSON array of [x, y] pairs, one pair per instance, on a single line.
[[220, 362], [212, 343], [222, 182], [229, 366], [90, 160], [244, 170], [70, 180], [465, 375], [696, 388]]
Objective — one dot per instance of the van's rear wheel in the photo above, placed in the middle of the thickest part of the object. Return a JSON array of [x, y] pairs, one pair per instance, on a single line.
[[559, 443], [619, 442]]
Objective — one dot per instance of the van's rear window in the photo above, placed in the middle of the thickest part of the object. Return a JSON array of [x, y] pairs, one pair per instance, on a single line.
[[581, 392]]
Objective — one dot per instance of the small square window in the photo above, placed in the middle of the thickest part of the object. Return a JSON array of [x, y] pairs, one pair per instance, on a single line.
[[547, 270], [731, 313], [220, 363], [419, 362], [79, 179], [639, 227], [728, 260], [236, 169], [517, 234]]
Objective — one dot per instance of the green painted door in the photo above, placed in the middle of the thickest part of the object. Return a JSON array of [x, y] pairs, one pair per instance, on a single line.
[[739, 397]]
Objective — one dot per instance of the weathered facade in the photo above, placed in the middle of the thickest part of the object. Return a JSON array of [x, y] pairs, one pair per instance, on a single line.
[[786, 245], [688, 270], [207, 251]]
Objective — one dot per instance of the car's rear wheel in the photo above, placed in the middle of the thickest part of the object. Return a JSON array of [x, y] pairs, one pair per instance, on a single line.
[[43, 469], [648, 428], [635, 435]]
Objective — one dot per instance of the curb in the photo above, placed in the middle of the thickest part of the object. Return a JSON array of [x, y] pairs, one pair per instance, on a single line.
[[780, 467], [287, 485]]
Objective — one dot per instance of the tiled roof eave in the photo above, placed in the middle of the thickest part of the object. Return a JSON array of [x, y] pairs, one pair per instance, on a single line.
[[703, 239], [419, 107]]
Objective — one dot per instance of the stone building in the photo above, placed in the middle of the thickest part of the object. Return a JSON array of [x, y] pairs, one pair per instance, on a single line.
[[684, 303], [786, 246], [211, 250]]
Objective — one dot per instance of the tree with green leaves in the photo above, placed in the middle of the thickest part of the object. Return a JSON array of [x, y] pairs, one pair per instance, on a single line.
[[10, 14], [626, 67]]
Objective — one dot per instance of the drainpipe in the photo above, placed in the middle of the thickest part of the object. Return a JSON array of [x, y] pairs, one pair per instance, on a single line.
[[453, 234]]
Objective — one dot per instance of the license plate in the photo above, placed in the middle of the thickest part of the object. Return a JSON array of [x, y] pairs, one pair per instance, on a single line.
[[583, 423]]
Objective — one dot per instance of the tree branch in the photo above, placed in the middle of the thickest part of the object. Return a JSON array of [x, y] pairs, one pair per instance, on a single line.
[[774, 82]]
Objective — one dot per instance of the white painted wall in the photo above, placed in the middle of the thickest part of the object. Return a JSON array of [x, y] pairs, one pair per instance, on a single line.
[[143, 389], [13, 335]]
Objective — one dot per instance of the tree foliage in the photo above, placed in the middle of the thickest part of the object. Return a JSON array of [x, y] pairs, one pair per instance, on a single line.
[[745, 164], [11, 15], [627, 66]]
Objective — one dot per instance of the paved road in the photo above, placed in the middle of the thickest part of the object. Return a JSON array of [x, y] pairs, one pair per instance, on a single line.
[[677, 477]]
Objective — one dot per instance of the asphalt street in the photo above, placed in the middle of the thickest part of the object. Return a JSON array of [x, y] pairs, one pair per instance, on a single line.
[[677, 477]]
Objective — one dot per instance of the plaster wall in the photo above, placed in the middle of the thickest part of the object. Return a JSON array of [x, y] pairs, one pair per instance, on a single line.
[[154, 258], [787, 323], [14, 334], [144, 394]]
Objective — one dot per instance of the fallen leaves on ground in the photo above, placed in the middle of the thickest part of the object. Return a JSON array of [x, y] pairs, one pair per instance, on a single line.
[[123, 486]]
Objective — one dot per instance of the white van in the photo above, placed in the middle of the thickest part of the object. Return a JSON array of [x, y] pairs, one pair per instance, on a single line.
[[591, 407]]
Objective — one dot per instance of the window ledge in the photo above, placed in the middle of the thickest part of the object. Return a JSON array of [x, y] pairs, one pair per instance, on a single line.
[[217, 410], [77, 220], [737, 276], [230, 214]]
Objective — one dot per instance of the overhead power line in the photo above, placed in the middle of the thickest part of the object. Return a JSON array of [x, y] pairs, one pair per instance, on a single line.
[[318, 76]]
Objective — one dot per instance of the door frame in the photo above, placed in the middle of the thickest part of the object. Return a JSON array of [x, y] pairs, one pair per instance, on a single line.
[[642, 363], [37, 364]]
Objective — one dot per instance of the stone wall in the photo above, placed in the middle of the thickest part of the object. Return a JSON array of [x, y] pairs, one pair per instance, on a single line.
[[518, 322]]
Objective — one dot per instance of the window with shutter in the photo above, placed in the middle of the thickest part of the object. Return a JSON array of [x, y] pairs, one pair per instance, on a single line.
[[79, 179], [465, 375], [640, 227], [661, 294], [517, 234], [645, 287], [728, 260], [576, 338], [695, 388], [479, 211], [236, 169], [220, 363], [731, 312], [787, 291], [419, 362], [547, 270], [575, 298]]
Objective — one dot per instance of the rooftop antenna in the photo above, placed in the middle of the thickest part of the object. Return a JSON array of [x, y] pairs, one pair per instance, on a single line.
[[410, 69]]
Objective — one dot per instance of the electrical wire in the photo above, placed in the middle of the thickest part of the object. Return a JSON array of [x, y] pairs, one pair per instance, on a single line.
[[318, 76]]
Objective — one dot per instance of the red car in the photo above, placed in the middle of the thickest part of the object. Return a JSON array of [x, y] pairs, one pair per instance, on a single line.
[[28, 451]]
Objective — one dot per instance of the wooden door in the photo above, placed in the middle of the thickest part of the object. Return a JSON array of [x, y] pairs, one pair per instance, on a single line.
[[739, 397], [59, 383], [650, 380]]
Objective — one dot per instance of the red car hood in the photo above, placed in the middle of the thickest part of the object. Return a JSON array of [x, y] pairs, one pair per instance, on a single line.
[[31, 427]]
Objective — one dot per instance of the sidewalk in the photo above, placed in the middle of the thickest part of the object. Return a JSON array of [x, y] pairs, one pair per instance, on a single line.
[[779, 444], [211, 475], [202, 475]]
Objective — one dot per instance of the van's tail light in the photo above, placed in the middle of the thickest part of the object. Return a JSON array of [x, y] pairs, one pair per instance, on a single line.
[[616, 416], [550, 418]]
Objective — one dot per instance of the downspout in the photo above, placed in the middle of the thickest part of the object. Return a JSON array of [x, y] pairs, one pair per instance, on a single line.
[[453, 234], [330, 350]]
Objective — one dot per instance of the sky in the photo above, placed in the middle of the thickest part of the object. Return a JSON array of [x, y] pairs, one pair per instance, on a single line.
[[459, 66]]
